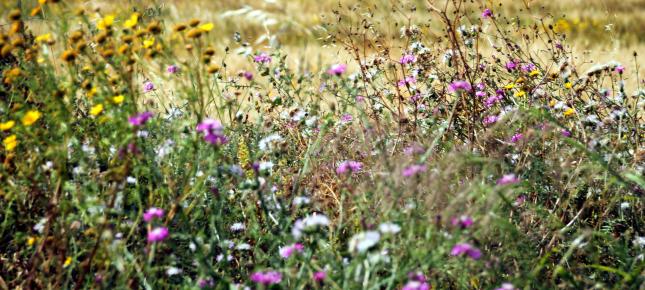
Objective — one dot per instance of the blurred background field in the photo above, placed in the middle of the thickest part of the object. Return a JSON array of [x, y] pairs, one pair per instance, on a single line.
[[598, 30]]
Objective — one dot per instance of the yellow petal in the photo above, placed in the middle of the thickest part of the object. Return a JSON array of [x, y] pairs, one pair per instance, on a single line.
[[43, 38], [31, 117], [134, 19], [509, 86], [207, 26], [148, 42], [10, 143], [568, 85], [97, 109], [569, 112], [118, 99], [7, 125]]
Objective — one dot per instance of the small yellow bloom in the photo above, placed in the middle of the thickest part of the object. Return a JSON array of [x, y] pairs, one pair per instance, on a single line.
[[40, 60], [132, 21], [534, 73], [7, 125], [552, 103], [10, 143], [207, 26], [569, 112], [42, 1], [148, 42], [568, 85], [509, 86], [97, 109], [520, 94], [44, 38], [118, 99], [106, 22], [31, 241], [68, 261], [31, 117], [92, 92]]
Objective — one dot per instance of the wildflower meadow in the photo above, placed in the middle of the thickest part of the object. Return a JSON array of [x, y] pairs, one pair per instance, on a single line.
[[377, 144]]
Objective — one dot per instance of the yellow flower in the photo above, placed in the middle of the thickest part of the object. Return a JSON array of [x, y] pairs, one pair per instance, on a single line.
[[31, 241], [31, 117], [148, 42], [92, 92], [7, 125], [552, 103], [10, 143], [118, 99], [44, 38], [40, 60], [534, 73], [520, 94], [569, 112], [97, 109], [509, 86], [132, 21], [68, 261], [207, 26], [568, 85], [42, 1], [106, 22]]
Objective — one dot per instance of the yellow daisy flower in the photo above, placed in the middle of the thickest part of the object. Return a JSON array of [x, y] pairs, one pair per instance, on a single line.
[[31, 241], [67, 262], [520, 94], [568, 85], [509, 86], [96, 110], [106, 22], [534, 73], [132, 21], [207, 26], [10, 142], [568, 112], [7, 125], [31, 117], [148, 42], [118, 99], [43, 38]]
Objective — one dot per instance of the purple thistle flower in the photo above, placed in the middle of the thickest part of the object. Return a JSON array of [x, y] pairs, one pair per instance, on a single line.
[[349, 166], [620, 69], [286, 252], [480, 94], [481, 86], [213, 131], [248, 75], [413, 149], [262, 58], [409, 80], [266, 278], [173, 69], [460, 85], [408, 59], [462, 249], [517, 137], [203, 283], [528, 67], [489, 120], [157, 235], [337, 69], [140, 119], [360, 99], [511, 65], [320, 276], [414, 169], [487, 13], [346, 118], [519, 200], [148, 86], [153, 213], [508, 179], [417, 281], [566, 133], [463, 221]]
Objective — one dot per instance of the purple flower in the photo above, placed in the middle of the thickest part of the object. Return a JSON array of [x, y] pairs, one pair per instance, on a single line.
[[286, 252], [153, 213], [559, 45], [140, 119], [360, 99], [203, 283], [528, 67], [462, 249], [488, 120], [414, 169], [480, 94], [487, 13], [506, 286], [517, 137], [337, 69], [417, 281], [409, 80], [519, 200], [248, 75], [413, 149], [346, 118], [481, 86], [463, 221], [408, 59], [565, 133], [460, 85], [511, 65], [266, 278], [148, 86], [620, 69], [320, 276], [157, 235], [262, 58], [508, 179], [213, 131], [349, 165], [173, 69]]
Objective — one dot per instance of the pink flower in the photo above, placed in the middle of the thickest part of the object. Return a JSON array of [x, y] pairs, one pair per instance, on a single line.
[[511, 65], [414, 169], [286, 252], [413, 149], [408, 59], [506, 286], [346, 118], [148, 86], [409, 80], [487, 13], [462, 249], [349, 165], [157, 235], [337, 69], [153, 213], [480, 94], [517, 137], [460, 86], [519, 201], [463, 221], [488, 120], [248, 75], [320, 276], [173, 69], [417, 281], [565, 133], [140, 119], [213, 131], [266, 278], [508, 179], [262, 58], [620, 69]]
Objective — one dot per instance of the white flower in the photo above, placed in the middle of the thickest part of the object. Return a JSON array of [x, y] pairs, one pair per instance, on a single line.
[[237, 227], [131, 180], [300, 200], [171, 271], [268, 142], [309, 223], [40, 226], [243, 247], [266, 166], [389, 228], [143, 134], [363, 241], [624, 205]]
